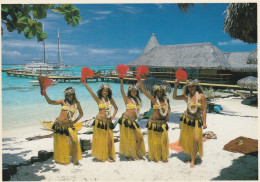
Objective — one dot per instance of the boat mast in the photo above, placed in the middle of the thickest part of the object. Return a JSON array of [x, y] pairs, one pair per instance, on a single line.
[[59, 52], [43, 45]]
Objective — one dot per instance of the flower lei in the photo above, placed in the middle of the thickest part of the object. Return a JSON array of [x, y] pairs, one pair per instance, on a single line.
[[137, 111], [107, 107], [69, 111], [160, 107], [196, 105]]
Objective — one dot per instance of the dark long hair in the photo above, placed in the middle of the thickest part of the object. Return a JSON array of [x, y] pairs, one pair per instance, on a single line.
[[109, 93], [155, 94], [198, 88], [74, 99], [137, 95]]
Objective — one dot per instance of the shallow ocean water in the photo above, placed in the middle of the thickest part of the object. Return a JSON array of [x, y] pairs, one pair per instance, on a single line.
[[23, 105]]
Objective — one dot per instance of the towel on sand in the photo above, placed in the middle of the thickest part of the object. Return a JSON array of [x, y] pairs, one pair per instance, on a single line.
[[243, 145], [175, 146]]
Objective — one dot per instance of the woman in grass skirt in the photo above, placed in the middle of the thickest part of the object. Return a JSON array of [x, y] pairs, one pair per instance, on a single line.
[[193, 119], [64, 133], [103, 148], [131, 138], [157, 127]]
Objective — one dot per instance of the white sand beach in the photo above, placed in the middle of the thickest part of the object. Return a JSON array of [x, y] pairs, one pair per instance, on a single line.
[[236, 120]]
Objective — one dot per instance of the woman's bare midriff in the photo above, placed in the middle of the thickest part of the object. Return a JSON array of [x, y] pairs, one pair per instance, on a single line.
[[156, 115], [102, 113], [63, 117], [130, 113]]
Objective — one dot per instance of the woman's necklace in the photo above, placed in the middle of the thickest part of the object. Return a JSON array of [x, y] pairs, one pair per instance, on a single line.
[[68, 105], [107, 107], [163, 113], [196, 105], [137, 111]]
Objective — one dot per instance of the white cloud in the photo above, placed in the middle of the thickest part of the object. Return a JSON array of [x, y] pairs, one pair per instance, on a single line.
[[67, 31], [102, 51], [135, 51], [160, 6], [231, 43], [11, 53], [101, 12], [54, 15], [21, 44], [72, 53], [130, 9], [84, 22], [100, 18]]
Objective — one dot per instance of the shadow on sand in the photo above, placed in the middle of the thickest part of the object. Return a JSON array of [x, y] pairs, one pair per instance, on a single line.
[[242, 168]]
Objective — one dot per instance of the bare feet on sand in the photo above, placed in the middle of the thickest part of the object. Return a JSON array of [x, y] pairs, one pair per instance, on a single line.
[[187, 162], [192, 164], [110, 160]]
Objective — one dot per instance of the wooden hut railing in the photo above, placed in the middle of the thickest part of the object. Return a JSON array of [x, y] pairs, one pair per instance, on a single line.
[[171, 75]]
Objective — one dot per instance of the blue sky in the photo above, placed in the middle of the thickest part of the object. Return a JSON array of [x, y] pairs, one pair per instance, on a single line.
[[110, 34]]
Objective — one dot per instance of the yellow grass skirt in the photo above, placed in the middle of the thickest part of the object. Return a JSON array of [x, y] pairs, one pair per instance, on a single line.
[[158, 140], [128, 139], [62, 134], [48, 125], [189, 126], [102, 128]]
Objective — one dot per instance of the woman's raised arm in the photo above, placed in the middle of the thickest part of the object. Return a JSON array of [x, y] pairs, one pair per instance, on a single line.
[[53, 102], [91, 92], [122, 90], [149, 96], [174, 95]]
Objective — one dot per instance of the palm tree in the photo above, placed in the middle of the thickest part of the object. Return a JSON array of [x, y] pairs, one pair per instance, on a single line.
[[241, 21]]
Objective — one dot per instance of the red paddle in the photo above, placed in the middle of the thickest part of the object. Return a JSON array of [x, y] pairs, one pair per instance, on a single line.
[[122, 69], [86, 73], [181, 75], [45, 82]]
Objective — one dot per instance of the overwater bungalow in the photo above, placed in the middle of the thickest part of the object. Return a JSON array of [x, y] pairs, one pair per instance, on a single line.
[[203, 61]]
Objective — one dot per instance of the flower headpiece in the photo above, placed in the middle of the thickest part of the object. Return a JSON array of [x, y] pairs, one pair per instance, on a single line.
[[192, 82], [132, 87], [159, 87], [69, 91], [106, 86]]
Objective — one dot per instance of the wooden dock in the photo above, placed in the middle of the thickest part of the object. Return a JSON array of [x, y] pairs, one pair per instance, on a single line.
[[133, 80], [26, 74]]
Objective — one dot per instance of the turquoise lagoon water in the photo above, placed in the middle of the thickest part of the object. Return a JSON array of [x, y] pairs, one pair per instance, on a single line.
[[23, 105]]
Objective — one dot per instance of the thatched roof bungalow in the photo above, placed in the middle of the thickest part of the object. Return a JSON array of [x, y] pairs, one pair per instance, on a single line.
[[252, 58], [238, 62], [199, 59]]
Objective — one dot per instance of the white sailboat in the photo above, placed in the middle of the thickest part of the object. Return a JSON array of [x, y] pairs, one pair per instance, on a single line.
[[36, 82], [60, 64], [40, 66]]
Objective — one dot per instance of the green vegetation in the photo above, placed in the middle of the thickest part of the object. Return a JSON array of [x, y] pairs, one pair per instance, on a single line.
[[209, 94], [25, 17], [241, 21]]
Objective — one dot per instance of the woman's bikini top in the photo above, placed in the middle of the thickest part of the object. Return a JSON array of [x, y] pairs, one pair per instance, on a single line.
[[132, 106], [66, 108], [199, 105], [157, 107], [101, 106]]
